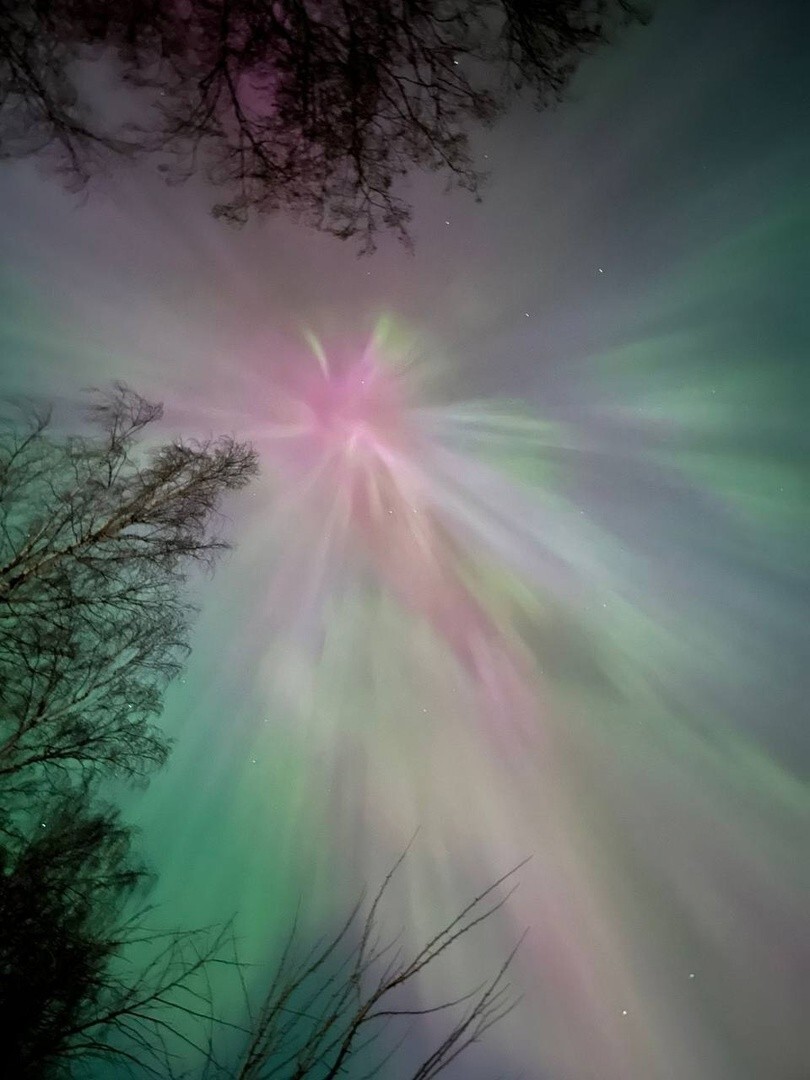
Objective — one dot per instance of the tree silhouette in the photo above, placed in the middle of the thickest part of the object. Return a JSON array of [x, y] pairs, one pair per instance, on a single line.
[[84, 979], [323, 1010], [95, 536], [317, 107], [69, 991], [94, 540]]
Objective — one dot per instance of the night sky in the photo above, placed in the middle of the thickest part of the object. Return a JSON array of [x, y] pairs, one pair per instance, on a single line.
[[606, 364]]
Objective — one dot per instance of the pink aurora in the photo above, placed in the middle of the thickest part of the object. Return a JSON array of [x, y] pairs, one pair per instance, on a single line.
[[350, 447]]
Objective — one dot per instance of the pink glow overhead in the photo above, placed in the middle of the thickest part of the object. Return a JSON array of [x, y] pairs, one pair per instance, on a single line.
[[348, 445]]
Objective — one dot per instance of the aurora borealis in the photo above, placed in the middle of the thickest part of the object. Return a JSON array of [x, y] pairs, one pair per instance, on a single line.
[[538, 588]]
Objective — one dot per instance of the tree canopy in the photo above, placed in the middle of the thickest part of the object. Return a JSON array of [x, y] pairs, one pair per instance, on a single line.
[[95, 535], [316, 107]]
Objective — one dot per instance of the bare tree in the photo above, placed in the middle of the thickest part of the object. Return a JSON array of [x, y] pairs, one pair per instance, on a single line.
[[84, 979], [94, 541], [334, 1010], [316, 107]]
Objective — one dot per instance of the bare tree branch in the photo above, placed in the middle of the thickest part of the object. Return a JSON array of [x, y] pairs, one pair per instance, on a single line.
[[320, 1015], [95, 538], [316, 107]]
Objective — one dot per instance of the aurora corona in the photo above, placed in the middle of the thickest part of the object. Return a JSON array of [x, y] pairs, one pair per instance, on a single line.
[[349, 445]]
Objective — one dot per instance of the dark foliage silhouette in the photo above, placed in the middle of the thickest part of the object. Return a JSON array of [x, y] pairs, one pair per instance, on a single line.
[[317, 107], [69, 992]]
